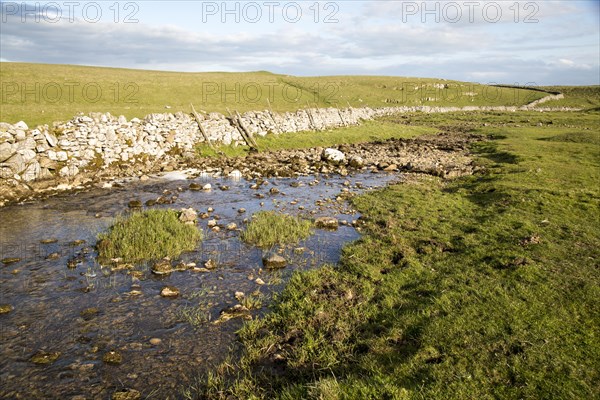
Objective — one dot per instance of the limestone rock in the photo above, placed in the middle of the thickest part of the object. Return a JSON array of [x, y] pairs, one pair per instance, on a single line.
[[51, 139], [162, 267], [326, 223], [188, 216], [169, 291], [333, 156], [6, 151], [356, 162], [68, 171], [274, 261]]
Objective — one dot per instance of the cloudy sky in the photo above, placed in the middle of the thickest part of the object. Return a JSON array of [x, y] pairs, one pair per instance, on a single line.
[[528, 42]]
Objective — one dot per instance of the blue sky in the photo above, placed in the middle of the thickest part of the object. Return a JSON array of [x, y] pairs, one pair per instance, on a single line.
[[524, 42]]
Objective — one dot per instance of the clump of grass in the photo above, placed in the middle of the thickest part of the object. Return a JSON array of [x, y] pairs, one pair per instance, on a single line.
[[196, 316], [148, 235], [253, 302], [269, 228]]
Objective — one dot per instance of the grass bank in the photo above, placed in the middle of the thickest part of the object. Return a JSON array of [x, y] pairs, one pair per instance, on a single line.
[[147, 235], [44, 93], [484, 287], [367, 131]]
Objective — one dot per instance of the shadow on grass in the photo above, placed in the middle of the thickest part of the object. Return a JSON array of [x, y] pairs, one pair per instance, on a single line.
[[489, 150], [575, 137]]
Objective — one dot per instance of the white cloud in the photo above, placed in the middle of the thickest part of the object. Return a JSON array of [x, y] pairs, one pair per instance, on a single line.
[[374, 42]]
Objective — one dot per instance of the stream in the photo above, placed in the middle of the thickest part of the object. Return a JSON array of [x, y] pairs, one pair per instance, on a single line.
[[71, 311]]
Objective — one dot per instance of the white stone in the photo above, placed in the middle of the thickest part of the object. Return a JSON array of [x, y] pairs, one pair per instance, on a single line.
[[27, 154], [51, 139], [64, 143], [6, 150], [110, 136], [68, 171], [235, 174], [333, 156], [27, 144], [41, 147], [6, 137], [89, 154], [21, 125], [32, 172], [20, 135]]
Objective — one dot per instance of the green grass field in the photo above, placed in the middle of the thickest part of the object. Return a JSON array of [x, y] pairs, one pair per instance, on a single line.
[[43, 93], [483, 287]]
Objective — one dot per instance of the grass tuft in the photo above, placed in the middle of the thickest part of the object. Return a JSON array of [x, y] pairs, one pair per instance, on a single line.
[[148, 235], [269, 228]]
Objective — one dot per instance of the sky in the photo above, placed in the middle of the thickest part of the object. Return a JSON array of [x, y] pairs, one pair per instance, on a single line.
[[511, 42]]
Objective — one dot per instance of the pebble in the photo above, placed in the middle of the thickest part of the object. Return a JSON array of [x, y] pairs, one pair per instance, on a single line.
[[273, 261], [5, 308], [162, 267], [155, 341], [169, 291], [326, 223], [112, 357], [210, 264], [135, 204]]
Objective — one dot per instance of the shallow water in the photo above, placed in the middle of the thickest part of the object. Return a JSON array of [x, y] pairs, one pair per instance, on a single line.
[[49, 298]]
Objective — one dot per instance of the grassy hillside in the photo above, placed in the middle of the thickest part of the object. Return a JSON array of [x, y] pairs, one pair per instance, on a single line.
[[41, 93], [586, 97]]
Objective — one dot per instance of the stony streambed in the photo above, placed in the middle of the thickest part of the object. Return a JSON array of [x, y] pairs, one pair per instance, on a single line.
[[77, 329]]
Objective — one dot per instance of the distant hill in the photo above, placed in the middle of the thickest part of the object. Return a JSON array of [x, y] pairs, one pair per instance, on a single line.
[[43, 93]]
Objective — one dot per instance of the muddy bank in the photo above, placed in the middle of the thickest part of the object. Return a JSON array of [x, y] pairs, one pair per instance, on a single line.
[[442, 155]]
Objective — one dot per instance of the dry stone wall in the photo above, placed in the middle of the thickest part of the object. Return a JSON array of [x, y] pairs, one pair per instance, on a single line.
[[98, 140]]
